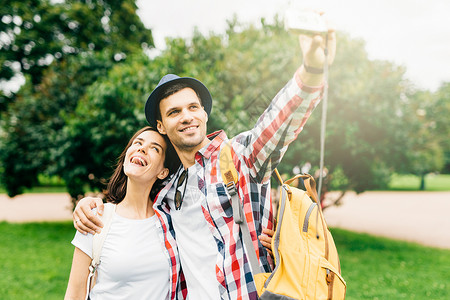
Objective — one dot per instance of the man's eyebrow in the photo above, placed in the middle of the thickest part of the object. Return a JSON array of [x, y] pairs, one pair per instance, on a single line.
[[169, 109], [179, 107]]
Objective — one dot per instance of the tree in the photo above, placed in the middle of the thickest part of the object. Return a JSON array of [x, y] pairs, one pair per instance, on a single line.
[[37, 33], [426, 152], [438, 117], [32, 123], [366, 124], [62, 49], [100, 126]]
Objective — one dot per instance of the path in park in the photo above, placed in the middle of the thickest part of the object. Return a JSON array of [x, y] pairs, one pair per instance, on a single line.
[[422, 217]]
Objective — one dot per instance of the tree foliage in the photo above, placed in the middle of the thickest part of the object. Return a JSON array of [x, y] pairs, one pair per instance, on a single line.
[[62, 49], [34, 121], [426, 153], [37, 33], [365, 128], [438, 116], [99, 128]]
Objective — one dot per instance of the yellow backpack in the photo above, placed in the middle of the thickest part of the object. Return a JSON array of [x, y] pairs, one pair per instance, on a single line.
[[306, 260]]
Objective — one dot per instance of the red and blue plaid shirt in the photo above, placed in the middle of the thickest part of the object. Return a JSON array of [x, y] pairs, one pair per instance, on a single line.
[[256, 153]]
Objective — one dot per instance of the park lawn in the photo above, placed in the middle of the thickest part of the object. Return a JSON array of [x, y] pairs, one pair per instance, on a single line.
[[381, 268], [41, 189], [433, 182], [36, 258]]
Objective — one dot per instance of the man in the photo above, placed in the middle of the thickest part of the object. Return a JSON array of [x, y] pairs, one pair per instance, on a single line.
[[194, 208]]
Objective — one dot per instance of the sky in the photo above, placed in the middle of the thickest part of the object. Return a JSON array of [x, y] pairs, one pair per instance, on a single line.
[[410, 33]]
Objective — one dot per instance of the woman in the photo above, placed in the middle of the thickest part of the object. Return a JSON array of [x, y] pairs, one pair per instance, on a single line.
[[134, 262]]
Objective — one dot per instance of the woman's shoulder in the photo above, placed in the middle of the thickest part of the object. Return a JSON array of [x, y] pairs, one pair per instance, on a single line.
[[108, 211]]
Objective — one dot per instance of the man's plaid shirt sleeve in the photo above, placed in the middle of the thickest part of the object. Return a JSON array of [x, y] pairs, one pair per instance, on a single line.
[[279, 125]]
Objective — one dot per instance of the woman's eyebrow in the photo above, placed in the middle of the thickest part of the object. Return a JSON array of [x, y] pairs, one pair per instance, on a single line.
[[151, 143], [156, 144]]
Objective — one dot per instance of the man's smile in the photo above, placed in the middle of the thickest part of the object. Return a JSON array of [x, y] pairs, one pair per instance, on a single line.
[[189, 128]]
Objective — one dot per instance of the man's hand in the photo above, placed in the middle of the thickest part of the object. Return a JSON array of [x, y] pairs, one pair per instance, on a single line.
[[84, 219], [266, 239], [313, 49]]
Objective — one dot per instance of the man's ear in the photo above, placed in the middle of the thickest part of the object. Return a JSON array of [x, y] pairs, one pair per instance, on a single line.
[[160, 127], [163, 174], [206, 114]]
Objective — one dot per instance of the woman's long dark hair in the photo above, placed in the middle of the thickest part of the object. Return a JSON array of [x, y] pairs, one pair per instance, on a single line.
[[117, 185]]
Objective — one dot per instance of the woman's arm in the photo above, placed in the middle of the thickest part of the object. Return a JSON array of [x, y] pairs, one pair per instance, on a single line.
[[76, 288]]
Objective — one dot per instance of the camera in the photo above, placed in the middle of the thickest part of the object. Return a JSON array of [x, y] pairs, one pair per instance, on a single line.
[[306, 22]]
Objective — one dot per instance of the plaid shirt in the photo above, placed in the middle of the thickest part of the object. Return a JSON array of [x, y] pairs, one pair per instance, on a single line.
[[256, 153]]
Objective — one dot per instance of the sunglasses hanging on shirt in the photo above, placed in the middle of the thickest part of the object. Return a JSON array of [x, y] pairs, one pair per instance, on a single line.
[[181, 184]]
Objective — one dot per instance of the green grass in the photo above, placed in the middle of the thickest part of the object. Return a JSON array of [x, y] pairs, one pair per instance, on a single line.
[[380, 268], [433, 183], [41, 189], [412, 182], [35, 260], [46, 184]]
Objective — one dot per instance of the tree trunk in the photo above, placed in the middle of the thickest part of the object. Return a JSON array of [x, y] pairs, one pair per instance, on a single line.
[[422, 182], [336, 201]]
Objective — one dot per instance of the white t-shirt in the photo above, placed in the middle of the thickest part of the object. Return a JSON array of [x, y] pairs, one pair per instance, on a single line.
[[133, 262], [196, 245]]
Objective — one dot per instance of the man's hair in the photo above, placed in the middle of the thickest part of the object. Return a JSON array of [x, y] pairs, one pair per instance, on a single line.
[[117, 185], [175, 88]]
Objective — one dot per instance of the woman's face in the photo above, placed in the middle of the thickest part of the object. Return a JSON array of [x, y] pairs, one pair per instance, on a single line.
[[144, 159]]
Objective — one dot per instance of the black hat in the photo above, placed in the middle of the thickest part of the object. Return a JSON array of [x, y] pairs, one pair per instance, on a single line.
[[151, 106]]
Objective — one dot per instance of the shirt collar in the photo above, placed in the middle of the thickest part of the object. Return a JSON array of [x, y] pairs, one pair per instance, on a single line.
[[216, 139]]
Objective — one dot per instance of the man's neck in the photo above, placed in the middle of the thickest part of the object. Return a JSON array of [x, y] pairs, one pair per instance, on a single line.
[[187, 155]]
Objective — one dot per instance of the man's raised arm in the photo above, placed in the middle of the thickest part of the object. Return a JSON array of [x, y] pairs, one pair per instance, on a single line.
[[283, 120]]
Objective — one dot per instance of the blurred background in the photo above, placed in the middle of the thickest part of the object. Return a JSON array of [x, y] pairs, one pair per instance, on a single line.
[[75, 76]]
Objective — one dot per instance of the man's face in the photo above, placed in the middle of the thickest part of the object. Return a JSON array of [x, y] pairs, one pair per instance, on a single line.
[[183, 119]]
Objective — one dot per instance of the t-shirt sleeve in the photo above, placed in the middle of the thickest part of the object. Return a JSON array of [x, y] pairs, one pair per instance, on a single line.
[[83, 242]]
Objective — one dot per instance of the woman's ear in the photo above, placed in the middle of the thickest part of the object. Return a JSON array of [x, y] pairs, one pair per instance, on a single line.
[[163, 174]]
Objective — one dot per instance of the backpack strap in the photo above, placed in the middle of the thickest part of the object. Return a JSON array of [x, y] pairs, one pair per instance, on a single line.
[[230, 178], [311, 191], [276, 238], [97, 245], [308, 181]]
